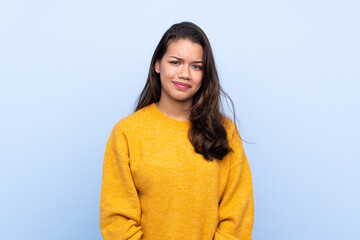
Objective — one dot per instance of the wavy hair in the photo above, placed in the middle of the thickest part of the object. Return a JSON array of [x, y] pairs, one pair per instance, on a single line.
[[207, 132]]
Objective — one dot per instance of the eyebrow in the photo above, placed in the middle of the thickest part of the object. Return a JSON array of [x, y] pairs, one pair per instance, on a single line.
[[183, 59]]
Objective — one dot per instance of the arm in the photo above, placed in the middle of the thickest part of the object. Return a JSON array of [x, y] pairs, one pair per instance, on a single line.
[[120, 210], [236, 208]]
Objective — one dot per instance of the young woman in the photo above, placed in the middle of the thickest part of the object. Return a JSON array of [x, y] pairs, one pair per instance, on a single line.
[[176, 167]]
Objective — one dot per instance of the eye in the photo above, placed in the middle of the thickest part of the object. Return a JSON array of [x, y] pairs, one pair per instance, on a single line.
[[197, 67], [175, 62]]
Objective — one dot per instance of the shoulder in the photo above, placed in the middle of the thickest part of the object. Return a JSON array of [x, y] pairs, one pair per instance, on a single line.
[[132, 122], [235, 141], [229, 126]]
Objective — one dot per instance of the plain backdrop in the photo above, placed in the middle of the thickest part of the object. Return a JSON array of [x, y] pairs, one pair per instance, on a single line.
[[69, 70]]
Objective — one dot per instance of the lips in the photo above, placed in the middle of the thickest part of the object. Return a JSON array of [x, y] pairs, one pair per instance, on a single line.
[[181, 85]]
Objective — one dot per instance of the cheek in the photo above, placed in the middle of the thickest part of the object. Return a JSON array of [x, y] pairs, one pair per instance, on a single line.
[[197, 86], [198, 79], [167, 73]]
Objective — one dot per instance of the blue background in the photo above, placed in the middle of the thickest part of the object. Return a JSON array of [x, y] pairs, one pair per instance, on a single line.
[[69, 70]]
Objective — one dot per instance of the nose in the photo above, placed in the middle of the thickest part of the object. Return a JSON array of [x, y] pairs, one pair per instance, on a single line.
[[184, 72]]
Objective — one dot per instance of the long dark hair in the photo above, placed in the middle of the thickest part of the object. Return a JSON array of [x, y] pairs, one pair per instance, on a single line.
[[207, 132]]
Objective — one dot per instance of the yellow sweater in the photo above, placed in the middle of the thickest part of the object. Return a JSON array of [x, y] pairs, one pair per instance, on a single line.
[[155, 186]]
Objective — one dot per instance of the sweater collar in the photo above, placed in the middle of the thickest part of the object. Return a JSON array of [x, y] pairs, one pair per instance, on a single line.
[[161, 116]]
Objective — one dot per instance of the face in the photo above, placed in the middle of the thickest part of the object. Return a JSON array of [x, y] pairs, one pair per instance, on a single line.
[[181, 71]]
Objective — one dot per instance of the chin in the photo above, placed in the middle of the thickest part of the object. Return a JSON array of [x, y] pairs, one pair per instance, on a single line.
[[182, 98]]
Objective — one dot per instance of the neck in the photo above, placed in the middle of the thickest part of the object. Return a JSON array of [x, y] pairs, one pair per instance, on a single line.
[[174, 109]]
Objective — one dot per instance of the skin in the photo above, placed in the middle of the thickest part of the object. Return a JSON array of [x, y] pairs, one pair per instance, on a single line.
[[181, 76]]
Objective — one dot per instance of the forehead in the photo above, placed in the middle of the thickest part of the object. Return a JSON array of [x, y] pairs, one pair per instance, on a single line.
[[184, 48]]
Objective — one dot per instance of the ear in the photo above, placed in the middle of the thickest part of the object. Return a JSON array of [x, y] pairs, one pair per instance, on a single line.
[[157, 66]]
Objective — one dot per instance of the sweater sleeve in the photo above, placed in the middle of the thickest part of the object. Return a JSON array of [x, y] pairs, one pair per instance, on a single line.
[[236, 207], [120, 210]]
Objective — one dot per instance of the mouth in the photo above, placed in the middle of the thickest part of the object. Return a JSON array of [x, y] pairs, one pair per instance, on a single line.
[[181, 85]]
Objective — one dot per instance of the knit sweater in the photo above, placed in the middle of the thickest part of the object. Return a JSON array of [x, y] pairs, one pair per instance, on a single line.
[[155, 186]]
